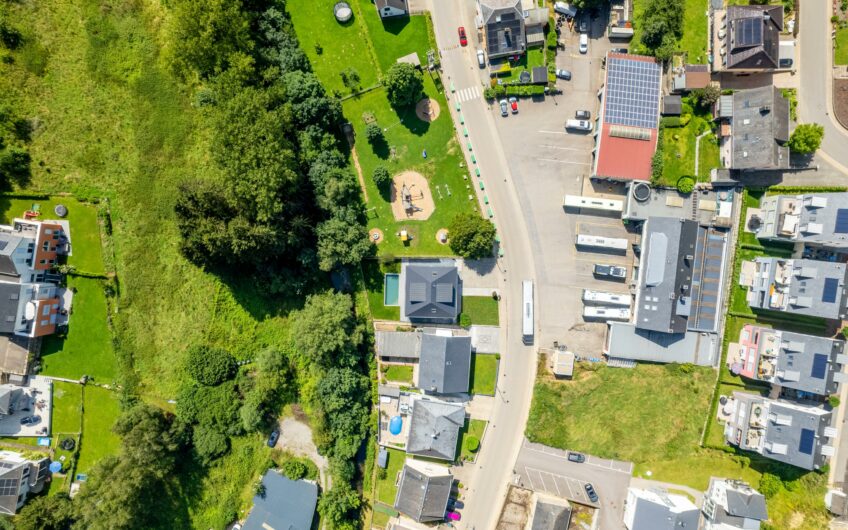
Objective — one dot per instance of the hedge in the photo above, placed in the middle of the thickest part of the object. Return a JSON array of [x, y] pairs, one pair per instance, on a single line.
[[805, 189], [525, 90], [676, 121]]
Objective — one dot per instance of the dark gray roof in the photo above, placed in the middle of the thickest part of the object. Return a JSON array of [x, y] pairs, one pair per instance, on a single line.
[[753, 36], [734, 503], [672, 105], [540, 75], [434, 428], [549, 516], [9, 242], [286, 504], [445, 364], [808, 363], [11, 476], [819, 218], [431, 292], [10, 294], [401, 344], [504, 23], [665, 276], [760, 129], [628, 342], [397, 4], [423, 497], [749, 506], [657, 510]]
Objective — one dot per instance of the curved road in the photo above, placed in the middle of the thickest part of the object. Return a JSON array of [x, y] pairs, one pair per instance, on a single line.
[[815, 95], [518, 361]]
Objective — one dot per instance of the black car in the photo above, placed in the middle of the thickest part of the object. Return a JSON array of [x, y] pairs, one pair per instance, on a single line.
[[583, 115], [272, 440], [590, 491], [577, 457], [619, 50], [30, 420]]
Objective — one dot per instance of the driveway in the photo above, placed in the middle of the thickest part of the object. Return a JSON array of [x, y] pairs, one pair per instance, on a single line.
[[546, 469], [296, 437]]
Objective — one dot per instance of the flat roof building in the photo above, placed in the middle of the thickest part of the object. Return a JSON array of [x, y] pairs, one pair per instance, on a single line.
[[815, 219], [733, 504]]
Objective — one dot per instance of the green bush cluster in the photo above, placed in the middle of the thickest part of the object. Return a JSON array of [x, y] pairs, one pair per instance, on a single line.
[[525, 90], [676, 122], [685, 184]]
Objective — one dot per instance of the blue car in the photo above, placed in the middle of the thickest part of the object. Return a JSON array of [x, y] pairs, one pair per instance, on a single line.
[[272, 440]]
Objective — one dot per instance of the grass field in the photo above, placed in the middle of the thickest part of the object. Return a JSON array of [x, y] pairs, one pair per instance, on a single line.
[[374, 274], [694, 40], [87, 349], [386, 489], [472, 428], [394, 37], [480, 310], [840, 48], [484, 373], [615, 413], [67, 408], [100, 410], [398, 372]]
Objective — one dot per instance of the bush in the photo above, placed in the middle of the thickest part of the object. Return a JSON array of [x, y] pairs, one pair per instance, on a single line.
[[464, 320], [770, 485], [294, 469], [806, 138], [495, 92], [525, 90], [675, 122], [472, 444], [833, 401], [685, 184], [373, 133], [381, 176], [834, 19], [210, 366]]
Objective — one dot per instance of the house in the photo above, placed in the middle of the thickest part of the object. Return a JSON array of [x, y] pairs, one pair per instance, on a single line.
[[627, 133], [787, 432], [503, 27], [431, 292], [678, 296], [733, 504], [814, 219], [398, 346], [284, 504], [392, 8], [753, 129], [620, 25], [20, 476], [423, 491], [804, 363], [800, 286], [551, 514], [748, 38], [434, 428], [445, 363], [657, 509]]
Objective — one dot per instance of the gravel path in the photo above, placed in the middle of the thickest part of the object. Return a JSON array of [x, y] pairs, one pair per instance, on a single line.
[[296, 437]]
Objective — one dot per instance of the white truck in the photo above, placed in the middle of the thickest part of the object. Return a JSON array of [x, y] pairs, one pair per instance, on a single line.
[[606, 313], [591, 297]]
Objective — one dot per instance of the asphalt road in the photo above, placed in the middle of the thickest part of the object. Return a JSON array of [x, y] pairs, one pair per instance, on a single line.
[[816, 90], [488, 487]]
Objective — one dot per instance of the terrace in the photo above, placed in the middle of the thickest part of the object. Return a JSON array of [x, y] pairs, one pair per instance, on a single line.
[[395, 408]]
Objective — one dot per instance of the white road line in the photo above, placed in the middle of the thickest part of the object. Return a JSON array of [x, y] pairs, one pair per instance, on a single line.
[[553, 132], [555, 483], [565, 162]]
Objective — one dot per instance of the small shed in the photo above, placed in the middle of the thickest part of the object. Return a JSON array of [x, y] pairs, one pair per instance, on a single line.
[[383, 458], [672, 106], [563, 364], [412, 59], [540, 75]]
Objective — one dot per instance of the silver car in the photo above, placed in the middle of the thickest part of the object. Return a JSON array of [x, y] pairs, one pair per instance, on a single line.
[[504, 108], [564, 74], [481, 58]]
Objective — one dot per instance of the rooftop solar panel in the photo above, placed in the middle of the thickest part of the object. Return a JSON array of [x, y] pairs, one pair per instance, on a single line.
[[819, 369], [841, 221], [831, 286], [808, 438], [632, 93]]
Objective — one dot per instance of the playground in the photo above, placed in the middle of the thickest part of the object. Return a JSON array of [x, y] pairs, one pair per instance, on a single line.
[[411, 198]]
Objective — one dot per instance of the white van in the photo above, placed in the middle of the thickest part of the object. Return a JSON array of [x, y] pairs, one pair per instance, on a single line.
[[566, 9], [580, 125], [584, 43]]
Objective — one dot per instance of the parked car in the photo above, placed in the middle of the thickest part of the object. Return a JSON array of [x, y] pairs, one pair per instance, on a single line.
[[584, 43], [30, 420], [590, 491], [462, 38], [609, 271], [481, 58], [513, 104], [504, 108], [583, 115], [576, 457], [455, 504], [583, 27], [453, 516], [272, 440], [564, 74], [566, 9], [619, 50], [580, 125]]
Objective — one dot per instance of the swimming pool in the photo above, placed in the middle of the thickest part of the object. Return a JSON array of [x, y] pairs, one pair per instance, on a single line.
[[390, 289]]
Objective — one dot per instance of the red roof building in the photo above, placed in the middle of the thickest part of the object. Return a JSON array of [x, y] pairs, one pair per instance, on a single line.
[[627, 126]]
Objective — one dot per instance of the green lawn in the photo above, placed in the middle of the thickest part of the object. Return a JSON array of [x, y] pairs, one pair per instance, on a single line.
[[694, 40], [480, 310], [840, 48], [101, 409], [401, 373], [472, 428], [67, 408], [484, 373], [394, 37], [374, 274], [86, 251], [679, 150], [532, 58], [619, 413], [386, 489], [87, 349]]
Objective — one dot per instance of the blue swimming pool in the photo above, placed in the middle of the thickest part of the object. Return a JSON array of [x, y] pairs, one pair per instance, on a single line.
[[390, 289]]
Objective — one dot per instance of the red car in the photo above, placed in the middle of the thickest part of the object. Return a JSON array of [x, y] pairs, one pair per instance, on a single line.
[[462, 40]]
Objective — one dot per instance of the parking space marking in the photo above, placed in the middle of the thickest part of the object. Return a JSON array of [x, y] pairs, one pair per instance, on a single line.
[[553, 132], [613, 465], [565, 162], [563, 148]]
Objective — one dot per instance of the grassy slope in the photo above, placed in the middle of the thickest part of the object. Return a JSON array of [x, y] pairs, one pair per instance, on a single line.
[[100, 410]]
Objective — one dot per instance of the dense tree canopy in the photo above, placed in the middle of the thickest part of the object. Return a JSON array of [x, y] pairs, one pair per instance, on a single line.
[[325, 331], [46, 513], [471, 236], [806, 138], [209, 365], [404, 84], [662, 27]]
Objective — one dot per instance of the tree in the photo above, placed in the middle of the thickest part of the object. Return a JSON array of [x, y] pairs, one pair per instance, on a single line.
[[381, 177], [46, 513], [404, 84], [685, 185], [472, 443], [471, 236], [337, 505], [350, 79], [255, 411], [325, 331], [14, 166], [210, 366], [833, 401], [806, 138], [209, 443], [770, 485], [342, 240], [662, 27], [211, 406], [294, 469], [342, 397], [373, 133]]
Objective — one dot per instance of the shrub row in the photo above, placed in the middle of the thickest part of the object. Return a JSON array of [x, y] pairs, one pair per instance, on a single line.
[[676, 121]]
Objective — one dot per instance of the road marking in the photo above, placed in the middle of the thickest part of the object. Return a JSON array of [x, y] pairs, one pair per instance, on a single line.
[[565, 162], [557, 453], [553, 132], [563, 148], [467, 94]]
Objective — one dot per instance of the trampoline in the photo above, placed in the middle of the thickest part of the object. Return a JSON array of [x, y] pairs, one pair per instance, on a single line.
[[391, 288]]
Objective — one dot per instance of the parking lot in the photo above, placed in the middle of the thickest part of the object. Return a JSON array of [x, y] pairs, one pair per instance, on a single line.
[[547, 162]]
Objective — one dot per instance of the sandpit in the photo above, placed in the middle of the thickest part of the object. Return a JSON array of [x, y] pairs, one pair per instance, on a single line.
[[375, 235], [420, 205], [427, 110]]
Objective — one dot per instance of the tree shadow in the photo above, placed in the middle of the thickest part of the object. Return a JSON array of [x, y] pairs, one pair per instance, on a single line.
[[481, 266], [381, 148], [410, 120]]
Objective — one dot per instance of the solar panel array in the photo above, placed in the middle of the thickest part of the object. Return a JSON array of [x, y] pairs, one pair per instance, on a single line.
[[632, 93], [749, 32], [831, 287], [808, 438], [819, 369], [841, 221], [9, 486]]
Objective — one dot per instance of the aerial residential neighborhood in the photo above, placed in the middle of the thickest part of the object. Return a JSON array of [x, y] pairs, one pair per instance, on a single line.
[[411, 264]]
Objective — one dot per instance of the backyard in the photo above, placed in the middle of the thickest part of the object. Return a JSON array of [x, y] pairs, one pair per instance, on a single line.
[[694, 39], [100, 411], [472, 430], [479, 310], [399, 373], [386, 488], [678, 146], [374, 273], [484, 373]]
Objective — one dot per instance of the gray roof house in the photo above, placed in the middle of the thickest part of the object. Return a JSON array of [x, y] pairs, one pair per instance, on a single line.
[[391, 8], [788, 432], [398, 345], [423, 491], [801, 286], [18, 477], [10, 301], [434, 428], [445, 364], [551, 514], [815, 219], [503, 27], [759, 129], [732, 504], [431, 292], [285, 505], [753, 37], [657, 509]]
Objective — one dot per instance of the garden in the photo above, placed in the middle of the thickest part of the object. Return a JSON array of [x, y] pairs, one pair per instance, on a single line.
[[479, 311], [484, 373], [678, 144]]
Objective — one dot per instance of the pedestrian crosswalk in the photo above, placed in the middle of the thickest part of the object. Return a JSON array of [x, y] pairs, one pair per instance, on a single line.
[[467, 94]]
